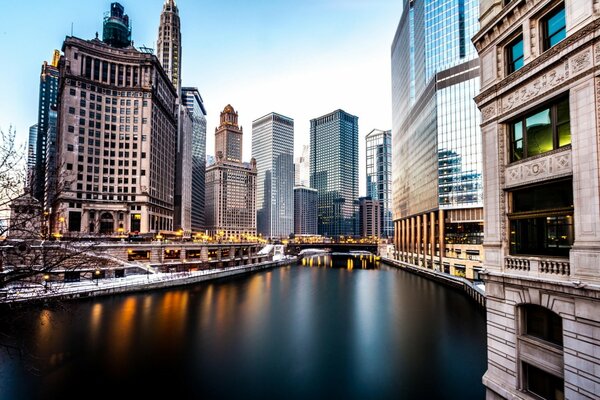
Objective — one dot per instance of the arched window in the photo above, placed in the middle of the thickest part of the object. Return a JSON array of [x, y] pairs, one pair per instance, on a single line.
[[542, 323]]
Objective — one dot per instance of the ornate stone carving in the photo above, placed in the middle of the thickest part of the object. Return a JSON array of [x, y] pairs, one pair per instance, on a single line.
[[543, 84], [551, 166], [580, 61], [488, 113]]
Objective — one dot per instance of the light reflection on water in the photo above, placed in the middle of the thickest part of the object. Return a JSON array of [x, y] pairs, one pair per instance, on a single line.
[[326, 331]]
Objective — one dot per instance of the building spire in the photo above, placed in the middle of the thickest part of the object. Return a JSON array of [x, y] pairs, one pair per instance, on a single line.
[[169, 43]]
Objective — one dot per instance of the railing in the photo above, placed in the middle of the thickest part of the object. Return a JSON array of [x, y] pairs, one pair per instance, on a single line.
[[555, 267], [520, 264]]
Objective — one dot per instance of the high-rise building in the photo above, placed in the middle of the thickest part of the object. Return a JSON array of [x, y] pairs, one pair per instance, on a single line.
[[230, 184], [31, 157], [52, 169], [47, 100], [116, 142], [436, 179], [334, 172], [169, 43], [379, 176], [369, 215], [305, 211], [183, 172], [273, 150], [302, 167], [541, 128], [191, 99]]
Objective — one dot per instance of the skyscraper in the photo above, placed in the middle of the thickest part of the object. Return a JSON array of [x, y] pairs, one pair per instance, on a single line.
[[334, 171], [183, 172], [191, 99], [230, 184], [169, 43], [437, 182], [305, 211], [379, 176], [273, 150], [302, 167], [369, 215], [47, 100], [31, 151], [117, 130]]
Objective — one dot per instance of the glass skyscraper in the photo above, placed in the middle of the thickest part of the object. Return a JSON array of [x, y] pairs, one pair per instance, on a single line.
[[379, 176], [437, 176], [192, 100], [334, 172], [273, 149]]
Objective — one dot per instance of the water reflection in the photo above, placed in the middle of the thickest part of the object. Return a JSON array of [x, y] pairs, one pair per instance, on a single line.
[[298, 332], [349, 261]]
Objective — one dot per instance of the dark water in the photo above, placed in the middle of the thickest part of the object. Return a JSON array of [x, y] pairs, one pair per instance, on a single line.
[[291, 333]]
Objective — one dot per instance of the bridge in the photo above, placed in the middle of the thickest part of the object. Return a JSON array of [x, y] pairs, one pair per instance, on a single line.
[[296, 248]]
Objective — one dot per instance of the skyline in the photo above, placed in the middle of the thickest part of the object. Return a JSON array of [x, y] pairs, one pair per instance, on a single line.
[[232, 66]]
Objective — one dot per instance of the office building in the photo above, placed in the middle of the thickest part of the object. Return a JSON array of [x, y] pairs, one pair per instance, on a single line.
[[31, 155], [305, 211], [169, 43], [334, 172], [302, 167], [116, 137], [183, 173], [273, 150], [47, 100], [230, 184], [379, 176], [436, 140], [191, 99], [540, 125], [369, 217]]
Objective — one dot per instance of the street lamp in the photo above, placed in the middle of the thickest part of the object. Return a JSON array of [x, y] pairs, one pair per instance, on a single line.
[[46, 279], [97, 275]]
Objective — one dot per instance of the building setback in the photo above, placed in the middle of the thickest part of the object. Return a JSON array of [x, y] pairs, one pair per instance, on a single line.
[[273, 150], [436, 179], [191, 99], [117, 127], [379, 176], [540, 126], [334, 172], [230, 184], [369, 225], [305, 211]]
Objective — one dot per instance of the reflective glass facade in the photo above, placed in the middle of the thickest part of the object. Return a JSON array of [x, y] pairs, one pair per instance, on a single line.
[[435, 75], [379, 176], [193, 102], [273, 149], [334, 171]]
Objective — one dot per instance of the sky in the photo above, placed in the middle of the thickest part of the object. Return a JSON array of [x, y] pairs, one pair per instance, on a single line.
[[302, 59]]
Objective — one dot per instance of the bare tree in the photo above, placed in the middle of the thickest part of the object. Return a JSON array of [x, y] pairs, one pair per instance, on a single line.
[[12, 175]]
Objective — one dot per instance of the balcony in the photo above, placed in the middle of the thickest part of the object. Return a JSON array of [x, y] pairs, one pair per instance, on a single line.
[[546, 268]]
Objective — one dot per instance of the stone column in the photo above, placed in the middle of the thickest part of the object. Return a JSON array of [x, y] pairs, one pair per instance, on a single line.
[[432, 237], [425, 241], [411, 242], [441, 241], [419, 249]]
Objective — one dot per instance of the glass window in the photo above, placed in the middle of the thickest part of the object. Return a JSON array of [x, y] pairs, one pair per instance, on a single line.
[[554, 27], [540, 132], [542, 323], [515, 54], [542, 384]]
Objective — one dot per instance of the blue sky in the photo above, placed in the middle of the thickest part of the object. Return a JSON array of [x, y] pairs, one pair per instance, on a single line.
[[301, 58]]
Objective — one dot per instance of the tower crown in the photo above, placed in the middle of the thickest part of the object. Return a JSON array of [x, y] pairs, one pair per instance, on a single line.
[[229, 117], [116, 30]]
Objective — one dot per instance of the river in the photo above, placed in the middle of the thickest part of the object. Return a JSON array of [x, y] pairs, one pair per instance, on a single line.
[[297, 332]]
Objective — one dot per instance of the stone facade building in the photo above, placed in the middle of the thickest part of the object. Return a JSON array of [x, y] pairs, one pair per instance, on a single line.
[[369, 217], [540, 102], [116, 137], [230, 184]]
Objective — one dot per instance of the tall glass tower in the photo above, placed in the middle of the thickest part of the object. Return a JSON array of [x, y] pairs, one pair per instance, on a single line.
[[273, 149], [437, 176], [379, 176], [192, 100], [334, 172]]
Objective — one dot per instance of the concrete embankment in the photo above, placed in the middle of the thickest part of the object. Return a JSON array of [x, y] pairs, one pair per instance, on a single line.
[[473, 291], [138, 283]]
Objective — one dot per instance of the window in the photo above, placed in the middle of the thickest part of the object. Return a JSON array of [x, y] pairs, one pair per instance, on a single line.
[[554, 27], [514, 55], [542, 131], [542, 324], [541, 221], [542, 383]]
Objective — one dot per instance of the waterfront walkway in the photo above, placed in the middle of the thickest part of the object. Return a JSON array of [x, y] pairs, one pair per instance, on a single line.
[[128, 284]]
